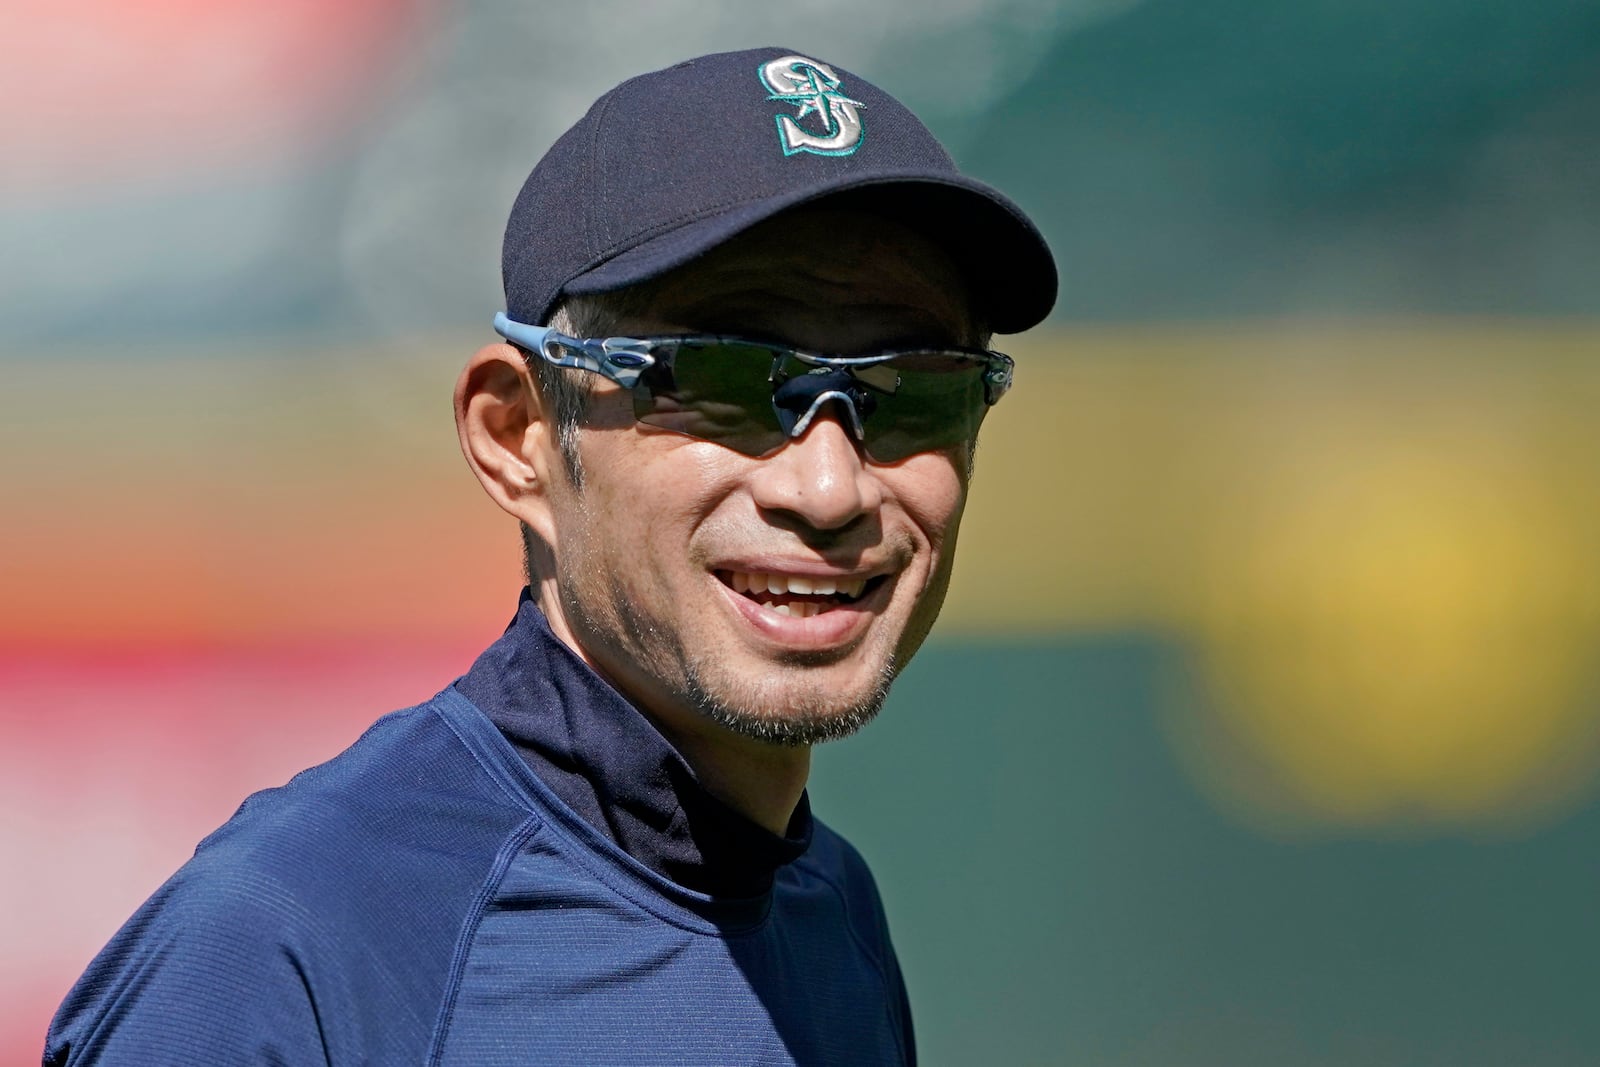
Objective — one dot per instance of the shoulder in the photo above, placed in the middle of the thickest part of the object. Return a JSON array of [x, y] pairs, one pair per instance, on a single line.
[[271, 933], [832, 857], [835, 863], [406, 789], [405, 813]]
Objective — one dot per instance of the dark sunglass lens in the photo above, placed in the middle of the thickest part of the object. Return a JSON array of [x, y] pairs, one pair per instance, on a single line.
[[717, 391], [935, 401], [724, 391]]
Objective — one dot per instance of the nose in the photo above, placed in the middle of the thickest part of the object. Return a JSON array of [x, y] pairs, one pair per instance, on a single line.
[[819, 477]]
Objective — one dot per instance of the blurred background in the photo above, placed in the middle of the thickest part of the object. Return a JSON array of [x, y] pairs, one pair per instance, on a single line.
[[1263, 725]]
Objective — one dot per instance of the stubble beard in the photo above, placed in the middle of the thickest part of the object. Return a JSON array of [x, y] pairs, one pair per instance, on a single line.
[[787, 719], [783, 708]]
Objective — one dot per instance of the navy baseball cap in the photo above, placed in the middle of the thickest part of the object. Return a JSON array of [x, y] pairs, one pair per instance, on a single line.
[[670, 164]]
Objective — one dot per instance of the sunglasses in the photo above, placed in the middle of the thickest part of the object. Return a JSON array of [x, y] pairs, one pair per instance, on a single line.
[[752, 396]]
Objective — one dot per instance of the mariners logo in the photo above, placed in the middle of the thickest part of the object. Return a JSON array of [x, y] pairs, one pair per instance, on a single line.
[[834, 126]]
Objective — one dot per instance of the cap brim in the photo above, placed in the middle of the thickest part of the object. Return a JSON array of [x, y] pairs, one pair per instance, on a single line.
[[1003, 256]]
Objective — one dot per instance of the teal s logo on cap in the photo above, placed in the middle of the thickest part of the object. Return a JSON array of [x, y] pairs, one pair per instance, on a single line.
[[814, 89]]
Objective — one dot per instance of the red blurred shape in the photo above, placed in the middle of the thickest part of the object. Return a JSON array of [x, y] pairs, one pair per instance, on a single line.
[[104, 90]]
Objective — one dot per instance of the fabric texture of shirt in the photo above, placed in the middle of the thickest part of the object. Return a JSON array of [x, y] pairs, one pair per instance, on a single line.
[[426, 898]]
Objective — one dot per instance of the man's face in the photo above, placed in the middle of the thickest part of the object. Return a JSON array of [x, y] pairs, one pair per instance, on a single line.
[[683, 567]]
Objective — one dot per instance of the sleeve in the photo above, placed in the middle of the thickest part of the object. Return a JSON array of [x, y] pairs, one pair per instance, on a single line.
[[865, 907], [216, 968], [908, 1035]]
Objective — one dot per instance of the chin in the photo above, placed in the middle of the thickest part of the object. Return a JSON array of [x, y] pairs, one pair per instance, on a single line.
[[782, 710]]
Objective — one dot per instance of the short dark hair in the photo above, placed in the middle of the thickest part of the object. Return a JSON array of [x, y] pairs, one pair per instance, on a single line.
[[564, 392]]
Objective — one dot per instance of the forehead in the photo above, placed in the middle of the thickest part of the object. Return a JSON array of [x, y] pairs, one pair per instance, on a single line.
[[832, 279]]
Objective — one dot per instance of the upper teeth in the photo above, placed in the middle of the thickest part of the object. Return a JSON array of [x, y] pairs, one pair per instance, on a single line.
[[762, 582]]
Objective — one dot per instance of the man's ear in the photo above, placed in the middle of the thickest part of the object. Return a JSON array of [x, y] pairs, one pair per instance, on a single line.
[[505, 434]]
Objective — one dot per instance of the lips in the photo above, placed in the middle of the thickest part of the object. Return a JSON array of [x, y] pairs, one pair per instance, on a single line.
[[798, 595]]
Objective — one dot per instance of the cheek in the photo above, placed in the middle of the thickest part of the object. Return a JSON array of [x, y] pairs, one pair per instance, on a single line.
[[932, 488], [649, 493]]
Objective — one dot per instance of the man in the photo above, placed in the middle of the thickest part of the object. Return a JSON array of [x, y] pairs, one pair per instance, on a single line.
[[739, 447]]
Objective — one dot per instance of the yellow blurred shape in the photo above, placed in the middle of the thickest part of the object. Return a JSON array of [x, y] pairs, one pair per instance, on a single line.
[[1400, 633], [1380, 545]]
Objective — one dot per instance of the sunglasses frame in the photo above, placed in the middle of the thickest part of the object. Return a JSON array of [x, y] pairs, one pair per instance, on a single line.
[[624, 360]]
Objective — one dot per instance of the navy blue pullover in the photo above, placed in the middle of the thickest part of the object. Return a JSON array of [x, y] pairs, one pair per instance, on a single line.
[[426, 898], [609, 764]]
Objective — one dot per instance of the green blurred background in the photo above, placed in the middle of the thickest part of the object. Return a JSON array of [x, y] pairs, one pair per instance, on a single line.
[[1263, 723]]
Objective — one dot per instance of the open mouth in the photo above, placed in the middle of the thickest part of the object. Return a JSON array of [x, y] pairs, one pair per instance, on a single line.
[[798, 595]]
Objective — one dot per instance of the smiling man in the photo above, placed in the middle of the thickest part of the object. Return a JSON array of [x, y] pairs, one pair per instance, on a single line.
[[744, 366]]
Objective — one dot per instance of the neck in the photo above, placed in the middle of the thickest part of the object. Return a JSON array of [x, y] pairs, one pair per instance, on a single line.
[[759, 780]]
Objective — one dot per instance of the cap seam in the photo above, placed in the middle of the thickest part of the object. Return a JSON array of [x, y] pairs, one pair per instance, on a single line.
[[599, 188]]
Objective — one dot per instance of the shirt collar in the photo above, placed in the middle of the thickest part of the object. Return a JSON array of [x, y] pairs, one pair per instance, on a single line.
[[609, 764]]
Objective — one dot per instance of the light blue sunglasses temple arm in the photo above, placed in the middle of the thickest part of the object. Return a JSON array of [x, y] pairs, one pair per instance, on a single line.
[[622, 359], [997, 380]]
